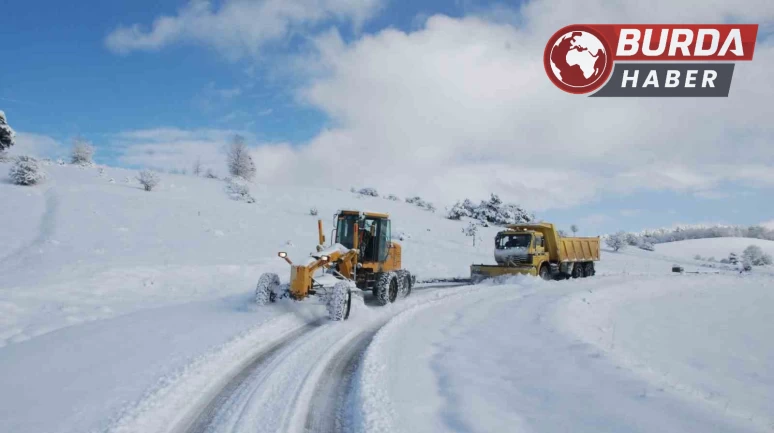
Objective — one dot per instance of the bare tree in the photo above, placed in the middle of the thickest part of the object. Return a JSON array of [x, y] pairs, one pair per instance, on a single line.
[[197, 167], [472, 231], [240, 163], [83, 152], [148, 179], [574, 229]]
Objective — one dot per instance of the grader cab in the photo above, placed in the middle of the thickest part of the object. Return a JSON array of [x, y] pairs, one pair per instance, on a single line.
[[362, 257]]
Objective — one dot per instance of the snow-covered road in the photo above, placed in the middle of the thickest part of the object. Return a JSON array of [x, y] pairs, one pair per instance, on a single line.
[[503, 359], [523, 356]]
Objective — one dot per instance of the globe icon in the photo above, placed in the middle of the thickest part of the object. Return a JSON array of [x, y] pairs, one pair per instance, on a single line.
[[578, 59]]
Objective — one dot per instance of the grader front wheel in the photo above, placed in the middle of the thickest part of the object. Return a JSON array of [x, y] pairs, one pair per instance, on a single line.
[[265, 291], [339, 301]]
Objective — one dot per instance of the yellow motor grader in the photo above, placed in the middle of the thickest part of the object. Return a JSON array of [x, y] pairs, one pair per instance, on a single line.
[[361, 257]]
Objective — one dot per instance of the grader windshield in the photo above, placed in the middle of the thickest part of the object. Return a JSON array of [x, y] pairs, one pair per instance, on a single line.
[[374, 235]]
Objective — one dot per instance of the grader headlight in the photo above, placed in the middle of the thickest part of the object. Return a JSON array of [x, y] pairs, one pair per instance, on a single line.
[[283, 255], [325, 258]]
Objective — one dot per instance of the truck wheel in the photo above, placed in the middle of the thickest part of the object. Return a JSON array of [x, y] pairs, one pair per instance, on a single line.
[[386, 289], [265, 291], [577, 270], [544, 273], [338, 301], [405, 282], [590, 272]]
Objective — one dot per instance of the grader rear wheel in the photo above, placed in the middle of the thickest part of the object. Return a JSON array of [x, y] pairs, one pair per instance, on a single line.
[[405, 282], [386, 288]]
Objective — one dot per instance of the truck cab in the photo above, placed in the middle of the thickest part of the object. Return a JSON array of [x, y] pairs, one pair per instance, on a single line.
[[514, 248]]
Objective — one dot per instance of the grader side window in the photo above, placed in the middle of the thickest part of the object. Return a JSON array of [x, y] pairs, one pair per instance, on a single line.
[[369, 238], [385, 237]]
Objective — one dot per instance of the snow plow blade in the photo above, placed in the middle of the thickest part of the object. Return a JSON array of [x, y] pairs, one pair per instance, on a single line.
[[479, 273]]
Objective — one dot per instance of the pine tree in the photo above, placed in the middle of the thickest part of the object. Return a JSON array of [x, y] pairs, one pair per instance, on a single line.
[[26, 171], [7, 136]]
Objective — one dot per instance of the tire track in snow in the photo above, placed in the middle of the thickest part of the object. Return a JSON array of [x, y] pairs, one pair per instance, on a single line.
[[313, 395], [46, 229], [207, 417], [327, 410]]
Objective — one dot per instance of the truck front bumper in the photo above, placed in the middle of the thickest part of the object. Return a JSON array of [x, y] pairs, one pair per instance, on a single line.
[[479, 273]]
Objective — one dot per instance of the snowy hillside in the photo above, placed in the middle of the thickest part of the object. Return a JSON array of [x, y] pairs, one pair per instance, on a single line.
[[130, 311], [80, 247], [717, 248]]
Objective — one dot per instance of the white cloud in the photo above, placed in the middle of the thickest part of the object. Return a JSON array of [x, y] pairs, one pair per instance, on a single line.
[[238, 27], [172, 148], [596, 220], [462, 107], [768, 224], [41, 146], [711, 195]]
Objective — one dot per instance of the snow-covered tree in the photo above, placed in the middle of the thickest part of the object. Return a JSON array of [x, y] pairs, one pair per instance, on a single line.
[[574, 229], [755, 256], [148, 179], [370, 192], [197, 167], [240, 163], [457, 211], [392, 197], [733, 259], [746, 265], [498, 213], [238, 190], [82, 153], [26, 171], [632, 239], [647, 246], [616, 241], [7, 136], [210, 174], [472, 231], [419, 202]]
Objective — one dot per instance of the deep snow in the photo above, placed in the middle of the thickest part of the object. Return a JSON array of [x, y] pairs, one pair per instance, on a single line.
[[126, 311], [82, 248]]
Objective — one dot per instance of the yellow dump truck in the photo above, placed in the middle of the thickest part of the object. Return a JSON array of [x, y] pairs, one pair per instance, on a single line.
[[537, 249]]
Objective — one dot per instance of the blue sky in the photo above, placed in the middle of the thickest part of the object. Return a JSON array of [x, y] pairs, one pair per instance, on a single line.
[[65, 82], [293, 93]]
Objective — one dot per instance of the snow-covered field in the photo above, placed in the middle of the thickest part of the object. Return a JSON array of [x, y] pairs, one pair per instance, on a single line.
[[128, 311]]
